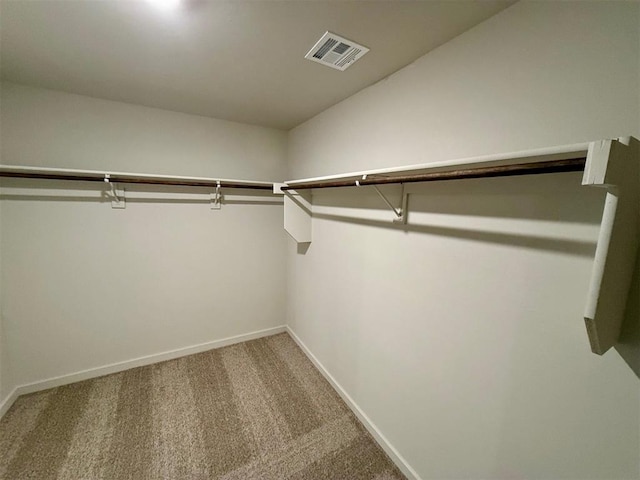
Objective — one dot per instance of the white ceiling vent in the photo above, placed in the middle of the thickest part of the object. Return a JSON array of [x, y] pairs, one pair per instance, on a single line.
[[335, 51]]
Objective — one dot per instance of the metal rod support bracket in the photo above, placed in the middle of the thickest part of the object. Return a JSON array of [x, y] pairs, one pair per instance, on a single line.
[[117, 194], [216, 198], [400, 213]]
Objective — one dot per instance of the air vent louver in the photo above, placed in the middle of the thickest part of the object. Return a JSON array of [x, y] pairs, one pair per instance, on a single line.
[[335, 51]]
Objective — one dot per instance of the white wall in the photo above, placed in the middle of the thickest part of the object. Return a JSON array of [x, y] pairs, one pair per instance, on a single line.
[[461, 336], [3, 351], [85, 285]]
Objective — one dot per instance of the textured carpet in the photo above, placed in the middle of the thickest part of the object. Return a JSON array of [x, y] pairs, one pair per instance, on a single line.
[[256, 410]]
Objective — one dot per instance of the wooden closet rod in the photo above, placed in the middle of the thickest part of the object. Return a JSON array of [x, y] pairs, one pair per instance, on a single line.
[[95, 176], [534, 168]]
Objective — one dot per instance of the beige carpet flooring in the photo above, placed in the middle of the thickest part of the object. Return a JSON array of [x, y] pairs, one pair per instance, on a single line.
[[256, 410]]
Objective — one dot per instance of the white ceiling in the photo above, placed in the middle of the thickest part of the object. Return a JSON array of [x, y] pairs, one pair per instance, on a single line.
[[235, 60]]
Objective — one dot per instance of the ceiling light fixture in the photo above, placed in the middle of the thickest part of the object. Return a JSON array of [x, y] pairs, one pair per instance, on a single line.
[[165, 4]]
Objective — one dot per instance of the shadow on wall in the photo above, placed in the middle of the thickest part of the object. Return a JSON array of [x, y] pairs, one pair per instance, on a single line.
[[303, 248], [572, 247], [544, 212], [629, 343]]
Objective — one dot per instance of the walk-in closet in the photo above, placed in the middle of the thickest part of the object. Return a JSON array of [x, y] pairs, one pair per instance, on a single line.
[[319, 240]]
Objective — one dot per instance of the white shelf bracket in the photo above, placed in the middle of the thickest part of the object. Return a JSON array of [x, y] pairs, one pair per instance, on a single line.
[[614, 165], [117, 194], [216, 198], [297, 213], [400, 213]]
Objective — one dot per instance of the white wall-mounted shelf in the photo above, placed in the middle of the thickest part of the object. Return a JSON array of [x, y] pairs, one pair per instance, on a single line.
[[612, 164], [563, 152], [543, 160], [115, 180]]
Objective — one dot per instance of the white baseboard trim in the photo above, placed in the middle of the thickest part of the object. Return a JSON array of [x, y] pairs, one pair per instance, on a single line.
[[389, 449], [136, 362], [182, 352], [5, 404]]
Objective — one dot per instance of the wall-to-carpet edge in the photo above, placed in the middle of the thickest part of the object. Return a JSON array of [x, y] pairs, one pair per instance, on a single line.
[[258, 409], [6, 404], [389, 449]]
